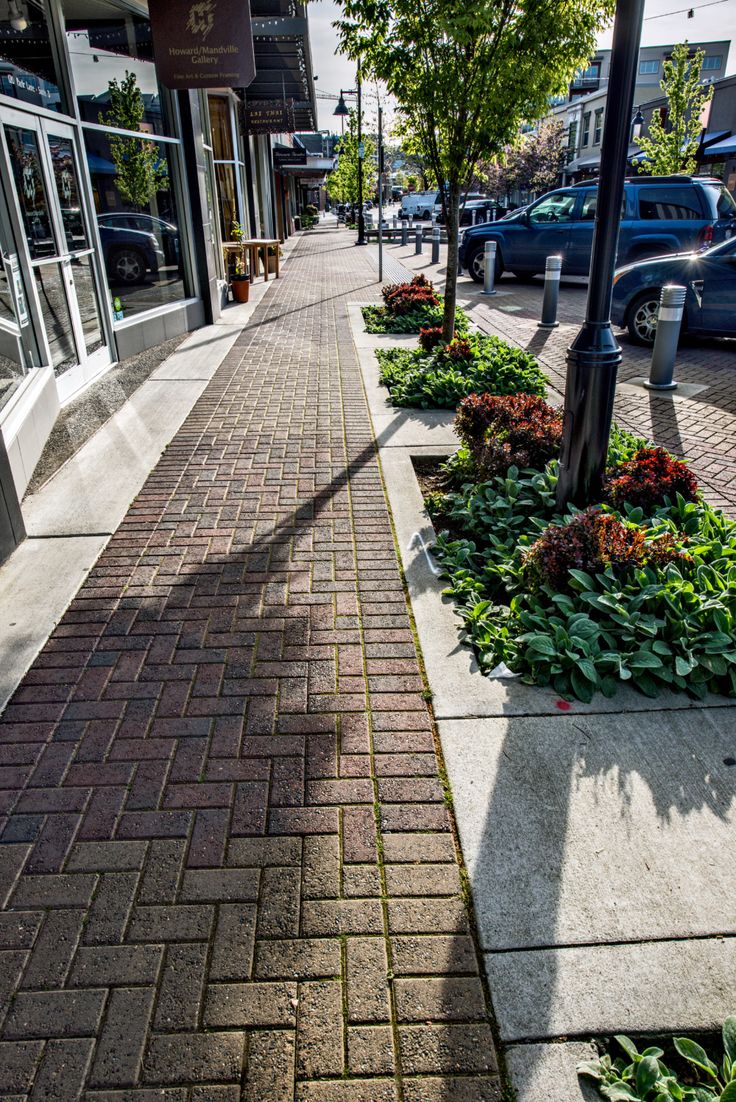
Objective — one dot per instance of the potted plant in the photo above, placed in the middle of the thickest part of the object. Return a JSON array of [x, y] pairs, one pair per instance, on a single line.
[[240, 281], [272, 251]]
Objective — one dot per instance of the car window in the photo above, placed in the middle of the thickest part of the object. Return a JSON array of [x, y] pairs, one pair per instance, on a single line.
[[720, 200], [667, 204], [557, 207], [590, 203]]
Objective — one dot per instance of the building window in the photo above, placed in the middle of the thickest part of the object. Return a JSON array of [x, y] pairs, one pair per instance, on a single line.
[[229, 165], [572, 136], [133, 159], [586, 128], [598, 126], [648, 66], [28, 68], [714, 61]]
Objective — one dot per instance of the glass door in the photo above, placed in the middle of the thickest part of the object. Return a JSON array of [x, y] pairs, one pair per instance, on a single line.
[[44, 165]]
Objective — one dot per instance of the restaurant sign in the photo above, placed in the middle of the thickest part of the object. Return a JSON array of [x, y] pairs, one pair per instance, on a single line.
[[203, 43], [267, 116]]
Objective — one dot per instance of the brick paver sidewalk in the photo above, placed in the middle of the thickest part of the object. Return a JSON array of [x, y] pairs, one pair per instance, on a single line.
[[228, 864]]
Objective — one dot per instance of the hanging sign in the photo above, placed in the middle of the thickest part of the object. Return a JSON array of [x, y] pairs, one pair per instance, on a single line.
[[203, 43], [283, 157], [269, 116]]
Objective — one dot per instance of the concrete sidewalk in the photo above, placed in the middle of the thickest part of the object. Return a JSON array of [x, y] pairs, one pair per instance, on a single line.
[[229, 867]]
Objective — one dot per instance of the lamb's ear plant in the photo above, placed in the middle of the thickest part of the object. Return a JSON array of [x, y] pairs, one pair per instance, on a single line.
[[643, 1075]]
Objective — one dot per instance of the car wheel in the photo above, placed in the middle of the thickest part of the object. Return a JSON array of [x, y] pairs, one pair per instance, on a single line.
[[476, 264], [524, 277], [427, 215], [641, 318], [127, 266]]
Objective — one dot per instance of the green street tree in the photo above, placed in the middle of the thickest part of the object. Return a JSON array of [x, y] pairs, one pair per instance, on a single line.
[[671, 145], [140, 171], [342, 183], [466, 75]]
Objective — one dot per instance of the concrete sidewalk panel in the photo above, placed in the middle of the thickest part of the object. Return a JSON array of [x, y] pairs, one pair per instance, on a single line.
[[546, 1073], [652, 987], [597, 829]]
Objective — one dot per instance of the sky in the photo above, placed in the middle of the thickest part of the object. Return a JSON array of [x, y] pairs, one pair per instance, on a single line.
[[665, 23]]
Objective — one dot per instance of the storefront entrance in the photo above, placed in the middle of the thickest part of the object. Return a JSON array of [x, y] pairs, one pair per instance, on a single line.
[[52, 240]]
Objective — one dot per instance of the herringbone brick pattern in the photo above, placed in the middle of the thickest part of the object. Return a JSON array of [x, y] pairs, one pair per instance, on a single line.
[[228, 870]]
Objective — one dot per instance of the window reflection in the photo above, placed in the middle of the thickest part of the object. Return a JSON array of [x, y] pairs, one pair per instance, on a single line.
[[55, 309], [106, 47], [132, 182], [65, 178], [27, 67], [34, 204]]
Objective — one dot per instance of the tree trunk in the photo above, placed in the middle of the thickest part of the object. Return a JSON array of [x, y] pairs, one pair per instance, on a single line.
[[452, 222]]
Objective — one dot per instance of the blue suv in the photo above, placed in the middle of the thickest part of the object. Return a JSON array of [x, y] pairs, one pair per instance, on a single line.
[[659, 215]]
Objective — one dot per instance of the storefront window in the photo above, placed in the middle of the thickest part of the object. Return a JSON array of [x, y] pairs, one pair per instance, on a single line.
[[111, 54], [135, 200], [229, 165], [28, 71], [33, 200]]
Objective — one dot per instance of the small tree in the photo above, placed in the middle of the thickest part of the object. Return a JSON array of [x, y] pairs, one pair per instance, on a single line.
[[140, 172], [671, 146], [342, 184], [466, 75]]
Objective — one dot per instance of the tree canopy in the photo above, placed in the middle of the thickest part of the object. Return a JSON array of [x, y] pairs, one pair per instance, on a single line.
[[140, 170], [673, 142], [466, 75], [342, 183]]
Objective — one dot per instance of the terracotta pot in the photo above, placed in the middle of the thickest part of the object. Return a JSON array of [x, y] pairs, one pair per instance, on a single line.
[[241, 289]]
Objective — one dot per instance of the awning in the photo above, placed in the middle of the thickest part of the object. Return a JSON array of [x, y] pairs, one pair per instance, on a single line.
[[714, 136], [283, 59], [726, 148]]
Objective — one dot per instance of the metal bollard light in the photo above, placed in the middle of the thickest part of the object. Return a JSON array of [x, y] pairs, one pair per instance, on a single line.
[[404, 233], [418, 242], [669, 320], [436, 245], [489, 261], [552, 269]]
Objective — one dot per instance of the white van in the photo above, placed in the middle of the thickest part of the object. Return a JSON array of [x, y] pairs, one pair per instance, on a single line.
[[419, 204]]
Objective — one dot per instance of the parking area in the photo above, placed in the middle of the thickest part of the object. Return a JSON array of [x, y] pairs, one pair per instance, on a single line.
[[696, 422]]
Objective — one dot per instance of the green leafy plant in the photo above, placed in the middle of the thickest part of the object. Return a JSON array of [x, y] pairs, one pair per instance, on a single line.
[[648, 478], [643, 1075], [470, 364]]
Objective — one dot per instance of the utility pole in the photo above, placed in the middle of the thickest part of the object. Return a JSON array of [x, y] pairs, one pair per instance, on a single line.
[[380, 194], [594, 356], [361, 151]]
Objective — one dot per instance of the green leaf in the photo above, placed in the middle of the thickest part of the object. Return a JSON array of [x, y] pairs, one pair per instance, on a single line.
[[584, 580], [729, 1094], [695, 1054], [644, 660], [683, 666], [628, 1046], [729, 1038], [647, 1074], [587, 669], [581, 686]]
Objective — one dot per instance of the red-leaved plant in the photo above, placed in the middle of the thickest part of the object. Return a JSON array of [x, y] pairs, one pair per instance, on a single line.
[[429, 337], [405, 298], [509, 430], [647, 479], [592, 541]]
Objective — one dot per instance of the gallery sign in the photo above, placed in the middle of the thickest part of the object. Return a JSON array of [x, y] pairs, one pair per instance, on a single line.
[[266, 116], [283, 157], [203, 43]]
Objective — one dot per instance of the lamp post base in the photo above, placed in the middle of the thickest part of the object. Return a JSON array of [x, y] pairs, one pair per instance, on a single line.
[[592, 367]]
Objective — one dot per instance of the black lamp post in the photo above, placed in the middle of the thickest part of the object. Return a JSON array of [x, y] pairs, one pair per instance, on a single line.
[[342, 110], [594, 356]]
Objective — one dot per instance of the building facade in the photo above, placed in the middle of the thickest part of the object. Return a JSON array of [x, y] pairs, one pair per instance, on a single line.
[[116, 193]]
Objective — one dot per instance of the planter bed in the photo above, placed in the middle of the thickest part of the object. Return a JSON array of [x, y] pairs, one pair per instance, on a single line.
[[640, 588]]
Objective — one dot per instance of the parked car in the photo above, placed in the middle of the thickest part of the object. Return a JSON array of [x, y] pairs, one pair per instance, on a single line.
[[710, 304], [130, 254], [659, 215], [481, 207], [166, 233]]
